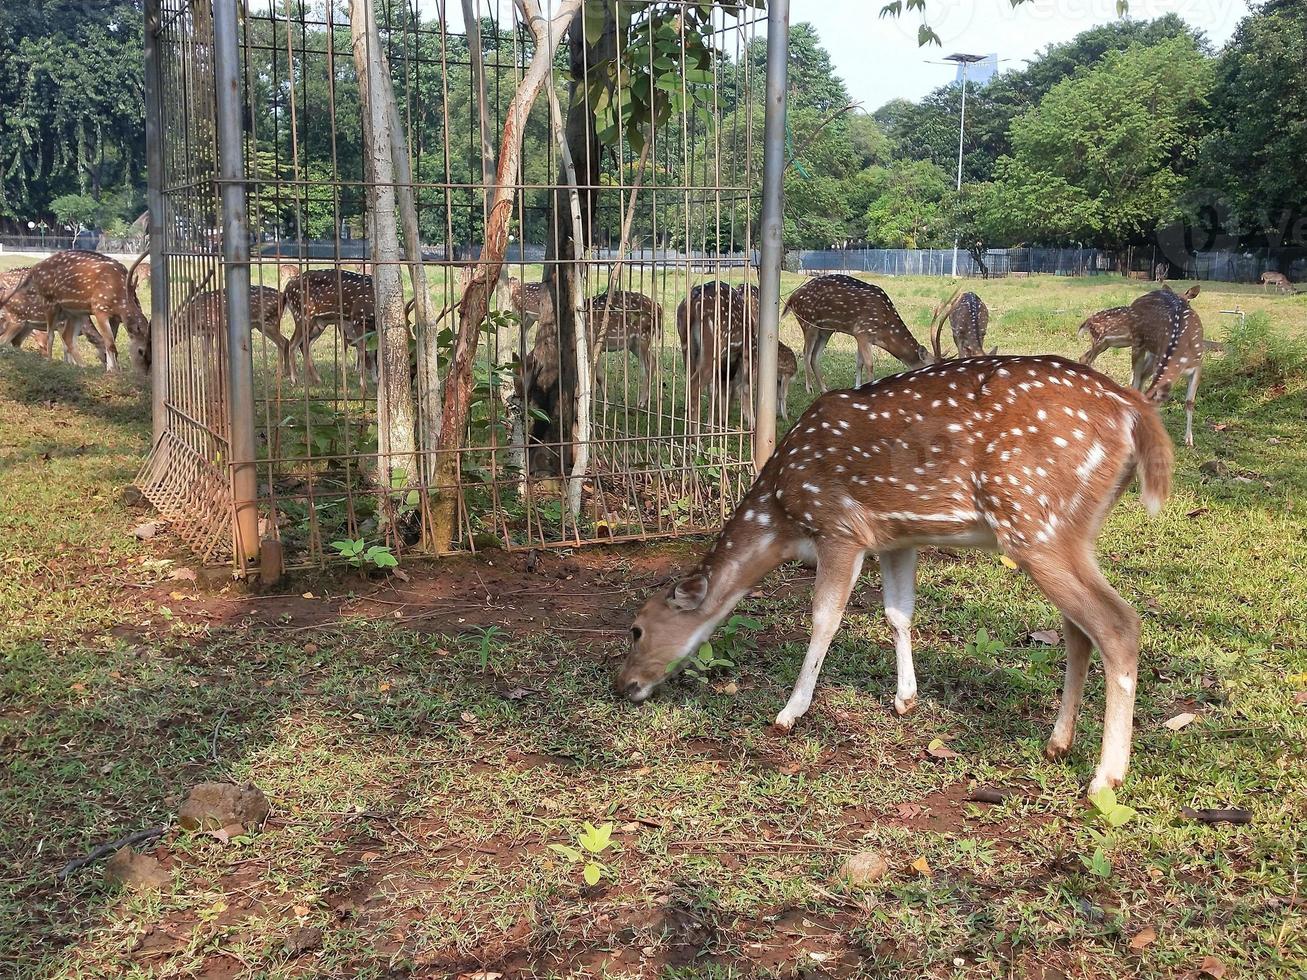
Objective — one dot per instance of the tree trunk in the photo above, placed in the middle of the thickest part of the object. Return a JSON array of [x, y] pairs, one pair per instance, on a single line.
[[395, 413], [475, 304], [563, 248]]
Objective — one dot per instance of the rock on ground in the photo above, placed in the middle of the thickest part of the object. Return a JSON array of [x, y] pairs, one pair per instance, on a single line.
[[861, 869], [139, 872], [215, 806]]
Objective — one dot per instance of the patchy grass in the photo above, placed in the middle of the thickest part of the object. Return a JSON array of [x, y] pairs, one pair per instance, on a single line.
[[419, 767]]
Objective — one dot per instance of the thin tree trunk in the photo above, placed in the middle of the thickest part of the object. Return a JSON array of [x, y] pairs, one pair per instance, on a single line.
[[475, 303], [576, 292], [395, 412], [506, 333], [563, 247]]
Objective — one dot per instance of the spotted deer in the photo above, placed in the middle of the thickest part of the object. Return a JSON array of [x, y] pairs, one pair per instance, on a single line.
[[22, 315], [843, 304], [322, 297], [205, 315], [1277, 279], [787, 365], [626, 321], [968, 317], [531, 301], [1165, 337], [1023, 455], [712, 323], [83, 284]]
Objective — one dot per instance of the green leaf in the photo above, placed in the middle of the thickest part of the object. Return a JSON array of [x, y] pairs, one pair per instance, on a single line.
[[1119, 816], [892, 9], [594, 27], [1104, 800], [595, 839], [591, 874], [571, 853]]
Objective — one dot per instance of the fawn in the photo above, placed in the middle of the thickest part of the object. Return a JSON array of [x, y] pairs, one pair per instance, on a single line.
[[1025, 455]]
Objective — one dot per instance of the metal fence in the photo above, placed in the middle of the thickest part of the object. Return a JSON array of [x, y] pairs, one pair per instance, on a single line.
[[1142, 262], [589, 418]]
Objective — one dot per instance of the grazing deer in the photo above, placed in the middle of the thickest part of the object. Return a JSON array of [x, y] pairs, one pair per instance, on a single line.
[[325, 296], [633, 323], [22, 315], [1277, 279], [787, 365], [206, 315], [969, 317], [1024, 455], [714, 322], [1165, 337], [839, 303], [89, 284]]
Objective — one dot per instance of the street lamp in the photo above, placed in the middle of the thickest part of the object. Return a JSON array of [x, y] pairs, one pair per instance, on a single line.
[[965, 61]]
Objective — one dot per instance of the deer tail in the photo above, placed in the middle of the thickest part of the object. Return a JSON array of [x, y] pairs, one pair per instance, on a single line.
[[1153, 457]]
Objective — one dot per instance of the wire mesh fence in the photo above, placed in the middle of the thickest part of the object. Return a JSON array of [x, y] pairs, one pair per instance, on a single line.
[[607, 391]]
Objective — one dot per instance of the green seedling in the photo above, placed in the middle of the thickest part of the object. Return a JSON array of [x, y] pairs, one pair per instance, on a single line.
[[592, 841]]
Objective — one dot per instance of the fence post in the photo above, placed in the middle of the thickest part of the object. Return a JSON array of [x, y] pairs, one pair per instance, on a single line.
[[772, 228], [154, 200], [236, 269]]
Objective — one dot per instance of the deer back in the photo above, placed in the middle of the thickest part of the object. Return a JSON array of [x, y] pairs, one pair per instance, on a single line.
[[1019, 453], [969, 320], [631, 316], [206, 313], [848, 305], [1115, 324], [1168, 328], [330, 293]]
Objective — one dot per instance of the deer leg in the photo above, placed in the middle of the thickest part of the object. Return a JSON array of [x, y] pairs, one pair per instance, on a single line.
[[106, 331], [1073, 688], [810, 337], [898, 572], [69, 335], [837, 571], [818, 347], [783, 396], [1139, 362], [1189, 406], [1091, 355], [867, 355], [1077, 587], [642, 354]]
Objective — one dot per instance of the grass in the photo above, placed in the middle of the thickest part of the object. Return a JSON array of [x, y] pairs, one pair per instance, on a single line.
[[419, 769]]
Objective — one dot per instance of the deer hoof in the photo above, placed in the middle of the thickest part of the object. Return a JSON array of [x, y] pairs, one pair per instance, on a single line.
[[905, 706], [1056, 750], [784, 724], [1101, 782]]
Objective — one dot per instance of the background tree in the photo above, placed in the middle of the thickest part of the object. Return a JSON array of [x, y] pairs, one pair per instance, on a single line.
[[1254, 155], [1103, 157], [71, 104]]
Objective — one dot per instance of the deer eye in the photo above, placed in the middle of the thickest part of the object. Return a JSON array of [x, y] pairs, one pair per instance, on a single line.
[[636, 633]]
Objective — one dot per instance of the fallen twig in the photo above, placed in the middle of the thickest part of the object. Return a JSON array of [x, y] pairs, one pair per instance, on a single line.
[[104, 850], [1232, 815]]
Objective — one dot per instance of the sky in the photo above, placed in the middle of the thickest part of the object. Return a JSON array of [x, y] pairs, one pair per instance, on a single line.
[[879, 59]]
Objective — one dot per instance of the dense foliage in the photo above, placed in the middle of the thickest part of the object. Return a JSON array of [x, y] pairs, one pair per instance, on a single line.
[[1110, 139]]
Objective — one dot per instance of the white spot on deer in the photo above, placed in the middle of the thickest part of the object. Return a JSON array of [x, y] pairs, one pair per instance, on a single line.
[[1060, 441]]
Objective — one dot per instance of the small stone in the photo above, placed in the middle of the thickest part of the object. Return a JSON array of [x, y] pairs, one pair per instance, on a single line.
[[139, 872], [215, 806], [861, 869], [303, 939], [146, 531]]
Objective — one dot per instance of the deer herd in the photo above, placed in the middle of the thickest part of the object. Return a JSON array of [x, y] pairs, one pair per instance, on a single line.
[[1025, 455]]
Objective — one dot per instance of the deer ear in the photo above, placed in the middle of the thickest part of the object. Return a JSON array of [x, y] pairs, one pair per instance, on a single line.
[[688, 594], [1192, 292]]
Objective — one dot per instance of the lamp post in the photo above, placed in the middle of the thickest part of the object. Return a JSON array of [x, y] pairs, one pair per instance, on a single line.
[[965, 60]]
